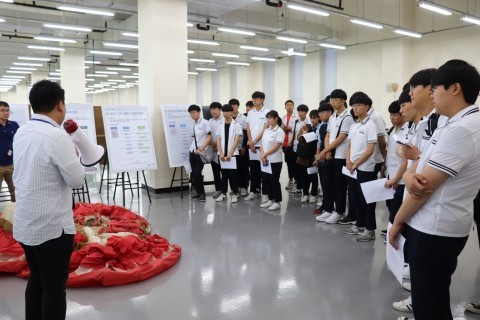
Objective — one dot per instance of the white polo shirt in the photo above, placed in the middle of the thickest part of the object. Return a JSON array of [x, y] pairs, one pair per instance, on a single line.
[[393, 159], [234, 130], [334, 126], [201, 128], [297, 127], [273, 136], [454, 149], [361, 135], [240, 119], [380, 125], [290, 124], [214, 123], [421, 140], [256, 120]]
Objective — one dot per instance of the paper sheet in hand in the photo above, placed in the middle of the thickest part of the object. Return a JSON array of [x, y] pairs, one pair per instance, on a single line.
[[232, 164], [312, 170], [375, 191], [348, 174], [395, 259], [309, 137], [254, 156], [267, 168], [216, 159]]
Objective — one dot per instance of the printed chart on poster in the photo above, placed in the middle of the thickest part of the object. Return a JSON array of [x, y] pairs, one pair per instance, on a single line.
[[129, 138], [178, 133], [19, 113], [84, 117]]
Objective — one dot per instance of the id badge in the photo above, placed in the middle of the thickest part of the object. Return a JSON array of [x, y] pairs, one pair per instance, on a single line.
[[9, 153]]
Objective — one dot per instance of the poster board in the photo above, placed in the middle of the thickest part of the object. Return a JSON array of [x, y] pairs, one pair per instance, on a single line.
[[178, 128], [20, 113], [83, 116], [129, 138]]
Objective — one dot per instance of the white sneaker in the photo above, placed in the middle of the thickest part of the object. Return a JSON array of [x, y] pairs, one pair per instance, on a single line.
[[264, 198], [304, 199], [406, 272], [251, 196], [216, 194], [274, 206], [312, 199], [407, 286], [324, 216], [404, 305], [234, 198], [334, 218], [243, 192], [221, 197], [266, 204], [319, 203]]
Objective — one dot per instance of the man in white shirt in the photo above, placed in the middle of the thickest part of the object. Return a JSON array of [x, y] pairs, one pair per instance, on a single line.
[[242, 158], [46, 169], [216, 112], [288, 123], [437, 214]]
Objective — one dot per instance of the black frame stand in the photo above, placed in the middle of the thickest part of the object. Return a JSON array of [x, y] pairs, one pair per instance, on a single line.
[[136, 185], [182, 181], [81, 192]]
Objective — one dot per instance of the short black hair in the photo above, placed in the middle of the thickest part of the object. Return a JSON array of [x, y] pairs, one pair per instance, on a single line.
[[302, 107], [45, 95], [459, 71], [274, 114], [227, 107], [361, 98], [258, 94], [338, 94], [350, 102], [404, 97], [394, 107], [325, 106], [233, 102], [4, 104], [215, 105], [249, 103], [193, 107], [313, 114], [289, 101], [422, 77]]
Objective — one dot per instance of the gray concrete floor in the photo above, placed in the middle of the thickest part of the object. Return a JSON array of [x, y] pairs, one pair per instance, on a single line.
[[243, 262]]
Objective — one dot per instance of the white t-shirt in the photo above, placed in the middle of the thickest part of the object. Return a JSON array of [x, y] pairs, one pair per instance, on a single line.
[[240, 119], [334, 126], [454, 149], [201, 127], [380, 125], [273, 136], [214, 123], [421, 140], [290, 124], [234, 130], [393, 159], [297, 128], [361, 135], [256, 121]]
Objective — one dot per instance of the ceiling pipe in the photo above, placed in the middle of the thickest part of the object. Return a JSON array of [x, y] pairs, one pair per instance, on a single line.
[[206, 28], [277, 4]]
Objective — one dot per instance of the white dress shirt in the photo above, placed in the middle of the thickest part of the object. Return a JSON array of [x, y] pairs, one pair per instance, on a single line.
[[46, 170]]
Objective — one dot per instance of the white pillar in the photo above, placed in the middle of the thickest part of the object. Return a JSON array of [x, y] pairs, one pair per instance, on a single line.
[[163, 71], [72, 66]]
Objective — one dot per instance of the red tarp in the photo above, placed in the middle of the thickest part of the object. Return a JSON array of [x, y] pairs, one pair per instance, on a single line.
[[114, 261]]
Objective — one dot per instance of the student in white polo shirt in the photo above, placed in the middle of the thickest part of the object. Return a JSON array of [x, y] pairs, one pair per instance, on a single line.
[[256, 124], [271, 153], [216, 112], [288, 125], [242, 159], [362, 140], [437, 214]]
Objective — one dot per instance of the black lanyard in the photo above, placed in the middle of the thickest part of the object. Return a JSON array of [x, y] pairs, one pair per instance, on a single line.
[[44, 121]]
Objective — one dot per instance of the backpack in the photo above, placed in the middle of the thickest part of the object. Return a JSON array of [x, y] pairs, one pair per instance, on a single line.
[[307, 149]]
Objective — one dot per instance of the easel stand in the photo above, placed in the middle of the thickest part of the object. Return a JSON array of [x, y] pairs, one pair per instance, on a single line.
[[183, 181], [108, 180], [136, 185], [81, 192]]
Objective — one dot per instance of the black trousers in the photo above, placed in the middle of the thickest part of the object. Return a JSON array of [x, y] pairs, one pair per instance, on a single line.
[[229, 175], [306, 180], [271, 183], [396, 202], [197, 168], [340, 186], [255, 175], [45, 296], [243, 172], [327, 179], [433, 260], [365, 211], [290, 158], [353, 206], [217, 178]]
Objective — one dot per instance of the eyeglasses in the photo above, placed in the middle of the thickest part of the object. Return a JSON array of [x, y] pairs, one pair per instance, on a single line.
[[4, 110]]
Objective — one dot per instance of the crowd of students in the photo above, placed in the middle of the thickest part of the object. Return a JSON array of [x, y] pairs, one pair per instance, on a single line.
[[430, 157]]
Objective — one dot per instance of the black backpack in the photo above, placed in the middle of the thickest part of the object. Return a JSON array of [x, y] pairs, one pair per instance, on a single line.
[[304, 149]]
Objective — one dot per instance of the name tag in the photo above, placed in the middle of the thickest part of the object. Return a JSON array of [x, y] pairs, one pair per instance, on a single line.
[[362, 132]]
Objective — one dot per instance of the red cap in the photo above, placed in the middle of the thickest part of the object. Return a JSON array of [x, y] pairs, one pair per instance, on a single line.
[[70, 126]]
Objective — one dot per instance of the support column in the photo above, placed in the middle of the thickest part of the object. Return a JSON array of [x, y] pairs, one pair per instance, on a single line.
[[72, 66], [163, 71]]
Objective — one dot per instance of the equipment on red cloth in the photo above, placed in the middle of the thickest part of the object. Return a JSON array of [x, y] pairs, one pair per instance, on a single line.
[[90, 153]]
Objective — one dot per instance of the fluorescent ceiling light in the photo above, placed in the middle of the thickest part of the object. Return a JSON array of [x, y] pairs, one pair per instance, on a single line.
[[55, 74], [206, 69], [206, 42], [106, 72], [298, 7], [435, 8], [471, 19], [202, 60], [7, 1], [53, 78], [189, 24], [294, 53], [86, 67], [254, 48], [46, 48], [66, 27], [128, 64], [91, 62], [190, 51], [408, 33], [2, 20], [28, 64], [236, 31], [14, 77], [107, 53], [333, 46], [367, 23], [89, 80], [262, 59], [120, 45], [193, 73], [114, 80], [19, 72], [85, 10], [130, 77], [23, 68], [238, 63], [119, 69], [292, 39], [33, 58], [97, 75], [54, 39], [227, 55], [130, 34]]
